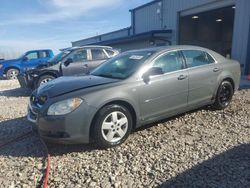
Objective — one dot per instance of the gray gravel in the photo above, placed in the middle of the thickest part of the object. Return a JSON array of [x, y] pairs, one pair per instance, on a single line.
[[203, 148]]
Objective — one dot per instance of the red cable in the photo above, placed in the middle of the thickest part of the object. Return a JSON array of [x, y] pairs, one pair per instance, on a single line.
[[45, 184], [46, 179]]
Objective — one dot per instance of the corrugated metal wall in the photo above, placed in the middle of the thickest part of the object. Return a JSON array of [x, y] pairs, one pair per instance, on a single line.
[[148, 18], [132, 45], [85, 41], [241, 32], [108, 36], [115, 35]]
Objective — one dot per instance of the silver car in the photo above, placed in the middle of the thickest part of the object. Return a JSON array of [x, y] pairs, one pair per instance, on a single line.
[[130, 90]]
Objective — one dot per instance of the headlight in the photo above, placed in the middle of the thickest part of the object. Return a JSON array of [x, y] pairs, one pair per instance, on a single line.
[[64, 107], [1, 65], [34, 75]]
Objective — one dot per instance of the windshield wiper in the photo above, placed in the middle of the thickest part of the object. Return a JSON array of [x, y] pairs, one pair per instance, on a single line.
[[106, 76]]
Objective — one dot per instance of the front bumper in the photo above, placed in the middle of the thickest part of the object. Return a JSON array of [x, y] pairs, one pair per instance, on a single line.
[[72, 128], [25, 81], [2, 74]]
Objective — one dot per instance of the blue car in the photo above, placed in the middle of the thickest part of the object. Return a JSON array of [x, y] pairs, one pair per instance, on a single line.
[[30, 60]]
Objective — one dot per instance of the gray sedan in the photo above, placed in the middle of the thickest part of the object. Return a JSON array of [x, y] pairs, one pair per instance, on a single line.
[[130, 90]]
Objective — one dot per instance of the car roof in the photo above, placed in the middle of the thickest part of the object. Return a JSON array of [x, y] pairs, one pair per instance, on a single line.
[[88, 46], [40, 50], [174, 47]]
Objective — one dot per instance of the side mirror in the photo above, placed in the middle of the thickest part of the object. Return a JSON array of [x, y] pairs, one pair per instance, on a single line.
[[68, 61], [25, 58], [152, 72]]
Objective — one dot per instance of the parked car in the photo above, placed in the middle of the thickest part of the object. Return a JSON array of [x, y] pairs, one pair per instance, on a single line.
[[130, 90], [31, 59], [72, 61]]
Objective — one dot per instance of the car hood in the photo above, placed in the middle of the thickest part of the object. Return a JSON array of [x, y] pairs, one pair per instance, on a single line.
[[10, 61], [66, 84]]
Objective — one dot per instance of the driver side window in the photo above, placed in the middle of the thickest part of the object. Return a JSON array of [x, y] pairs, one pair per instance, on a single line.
[[32, 55], [169, 62], [79, 56]]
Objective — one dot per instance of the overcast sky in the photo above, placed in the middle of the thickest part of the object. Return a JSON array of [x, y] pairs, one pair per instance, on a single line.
[[35, 24]]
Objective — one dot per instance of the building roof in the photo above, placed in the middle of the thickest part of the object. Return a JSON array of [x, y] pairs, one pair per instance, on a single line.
[[112, 32], [145, 5], [152, 33]]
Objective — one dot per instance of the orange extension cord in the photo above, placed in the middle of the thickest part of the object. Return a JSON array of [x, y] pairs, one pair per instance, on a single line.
[[20, 137]]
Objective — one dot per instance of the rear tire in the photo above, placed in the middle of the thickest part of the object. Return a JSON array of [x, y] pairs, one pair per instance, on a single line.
[[44, 79], [12, 74], [224, 95], [112, 126]]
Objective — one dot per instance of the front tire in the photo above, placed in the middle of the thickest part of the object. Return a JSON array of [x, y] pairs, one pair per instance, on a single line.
[[112, 126], [44, 79], [224, 95], [12, 74]]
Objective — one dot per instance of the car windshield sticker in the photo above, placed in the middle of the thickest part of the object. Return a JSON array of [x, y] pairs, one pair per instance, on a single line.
[[136, 57]]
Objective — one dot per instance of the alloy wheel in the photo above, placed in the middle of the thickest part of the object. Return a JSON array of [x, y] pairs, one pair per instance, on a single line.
[[13, 74], [114, 126], [225, 95], [46, 80]]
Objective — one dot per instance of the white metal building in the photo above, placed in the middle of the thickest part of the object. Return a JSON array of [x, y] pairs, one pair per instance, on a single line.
[[221, 25]]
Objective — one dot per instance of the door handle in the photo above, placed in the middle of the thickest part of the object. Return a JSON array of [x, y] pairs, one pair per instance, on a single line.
[[182, 77], [216, 69]]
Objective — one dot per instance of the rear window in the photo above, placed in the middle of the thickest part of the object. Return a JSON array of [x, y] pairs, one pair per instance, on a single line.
[[111, 53], [98, 54]]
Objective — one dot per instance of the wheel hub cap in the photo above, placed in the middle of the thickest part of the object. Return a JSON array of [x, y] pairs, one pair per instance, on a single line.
[[44, 81], [13, 74], [114, 126], [225, 95]]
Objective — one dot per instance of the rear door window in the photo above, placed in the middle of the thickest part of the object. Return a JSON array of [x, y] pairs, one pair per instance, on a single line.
[[98, 54], [43, 54], [196, 58]]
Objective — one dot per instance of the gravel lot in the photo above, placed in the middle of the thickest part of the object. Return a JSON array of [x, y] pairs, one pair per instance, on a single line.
[[203, 148]]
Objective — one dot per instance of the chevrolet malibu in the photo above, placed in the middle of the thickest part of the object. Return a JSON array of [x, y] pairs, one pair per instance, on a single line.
[[130, 90]]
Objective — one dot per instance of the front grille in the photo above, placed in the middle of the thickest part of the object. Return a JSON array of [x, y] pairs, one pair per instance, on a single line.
[[38, 100]]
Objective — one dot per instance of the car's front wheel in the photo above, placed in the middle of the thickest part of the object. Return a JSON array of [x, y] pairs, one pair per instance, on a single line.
[[45, 79], [112, 126], [12, 74], [224, 95]]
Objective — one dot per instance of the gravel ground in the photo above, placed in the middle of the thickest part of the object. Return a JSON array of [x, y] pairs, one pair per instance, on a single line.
[[203, 148]]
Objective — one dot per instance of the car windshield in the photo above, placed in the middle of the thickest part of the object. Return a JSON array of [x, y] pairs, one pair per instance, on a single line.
[[123, 65], [59, 56]]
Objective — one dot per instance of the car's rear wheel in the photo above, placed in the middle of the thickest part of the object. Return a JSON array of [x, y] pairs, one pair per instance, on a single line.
[[45, 79], [112, 126], [12, 74], [224, 95]]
